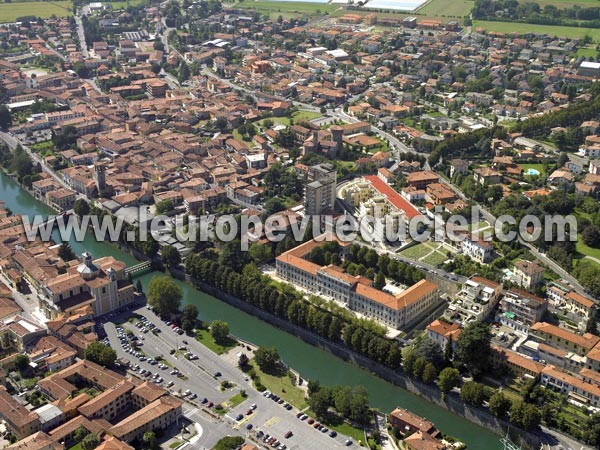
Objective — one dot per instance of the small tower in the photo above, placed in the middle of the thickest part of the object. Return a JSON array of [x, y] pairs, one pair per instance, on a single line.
[[100, 177], [337, 136]]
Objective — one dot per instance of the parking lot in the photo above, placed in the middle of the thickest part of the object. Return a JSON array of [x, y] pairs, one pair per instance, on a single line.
[[179, 363]]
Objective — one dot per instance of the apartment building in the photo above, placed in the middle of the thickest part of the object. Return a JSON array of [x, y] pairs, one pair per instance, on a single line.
[[443, 333], [575, 388], [564, 339], [528, 274], [475, 301], [320, 189], [478, 249], [20, 421], [567, 301], [520, 310], [356, 292]]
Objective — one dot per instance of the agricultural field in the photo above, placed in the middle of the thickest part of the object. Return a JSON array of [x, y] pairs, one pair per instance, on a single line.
[[524, 28], [445, 8], [9, 12], [287, 9]]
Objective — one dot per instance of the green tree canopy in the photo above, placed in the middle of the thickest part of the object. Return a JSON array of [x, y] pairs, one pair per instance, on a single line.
[[267, 359], [100, 354], [448, 379], [164, 295], [473, 348], [170, 256], [219, 330]]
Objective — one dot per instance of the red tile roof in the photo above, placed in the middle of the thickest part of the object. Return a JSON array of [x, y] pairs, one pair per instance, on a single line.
[[396, 199]]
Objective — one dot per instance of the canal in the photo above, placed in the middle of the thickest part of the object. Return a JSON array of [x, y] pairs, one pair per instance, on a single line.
[[309, 361]]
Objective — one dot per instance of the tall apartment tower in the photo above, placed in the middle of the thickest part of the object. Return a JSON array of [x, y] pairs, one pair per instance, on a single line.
[[320, 189]]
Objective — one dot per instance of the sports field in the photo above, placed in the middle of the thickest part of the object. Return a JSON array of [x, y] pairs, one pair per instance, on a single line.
[[523, 28], [9, 12]]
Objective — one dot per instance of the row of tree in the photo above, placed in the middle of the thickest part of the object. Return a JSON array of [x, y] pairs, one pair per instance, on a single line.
[[254, 288]]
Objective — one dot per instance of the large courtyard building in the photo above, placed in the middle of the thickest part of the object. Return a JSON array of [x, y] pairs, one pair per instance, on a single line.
[[356, 292]]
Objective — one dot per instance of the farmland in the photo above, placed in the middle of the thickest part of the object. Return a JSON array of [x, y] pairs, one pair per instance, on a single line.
[[287, 9], [444, 8], [9, 12], [524, 28]]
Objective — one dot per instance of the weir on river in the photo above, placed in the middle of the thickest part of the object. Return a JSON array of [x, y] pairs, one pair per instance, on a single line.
[[309, 361]]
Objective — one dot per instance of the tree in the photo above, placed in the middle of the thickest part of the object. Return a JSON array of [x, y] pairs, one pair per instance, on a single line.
[[150, 441], [184, 72], [170, 256], [65, 252], [379, 282], [138, 286], [429, 373], [81, 207], [219, 330], [591, 236], [90, 442], [21, 362], [5, 117], [164, 206], [448, 379], [525, 415], [499, 404], [260, 252], [320, 401], [229, 443], [473, 348], [101, 354], [164, 295], [243, 360], [190, 314], [267, 359], [80, 433], [21, 163], [472, 393]]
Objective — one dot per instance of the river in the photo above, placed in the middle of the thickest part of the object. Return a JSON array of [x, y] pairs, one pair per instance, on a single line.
[[309, 361]]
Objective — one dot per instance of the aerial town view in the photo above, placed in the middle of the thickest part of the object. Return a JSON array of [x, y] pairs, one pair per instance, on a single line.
[[303, 225]]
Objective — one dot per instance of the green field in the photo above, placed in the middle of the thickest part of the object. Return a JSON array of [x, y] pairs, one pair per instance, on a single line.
[[206, 339], [9, 12], [286, 9], [445, 8], [281, 386], [417, 251], [586, 249], [524, 28], [587, 52]]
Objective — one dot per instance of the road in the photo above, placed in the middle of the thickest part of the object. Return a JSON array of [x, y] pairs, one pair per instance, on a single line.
[[269, 416], [12, 143], [81, 34], [488, 216]]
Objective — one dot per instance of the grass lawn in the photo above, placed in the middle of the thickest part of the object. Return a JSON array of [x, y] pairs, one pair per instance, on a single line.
[[305, 115], [206, 339], [9, 12], [76, 447], [586, 249], [334, 422], [287, 9], [417, 251], [452, 8], [435, 259], [281, 386], [524, 28], [235, 400], [538, 167], [587, 52], [125, 4], [175, 444]]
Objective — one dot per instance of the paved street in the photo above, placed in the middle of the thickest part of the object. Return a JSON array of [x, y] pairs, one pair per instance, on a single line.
[[269, 416]]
